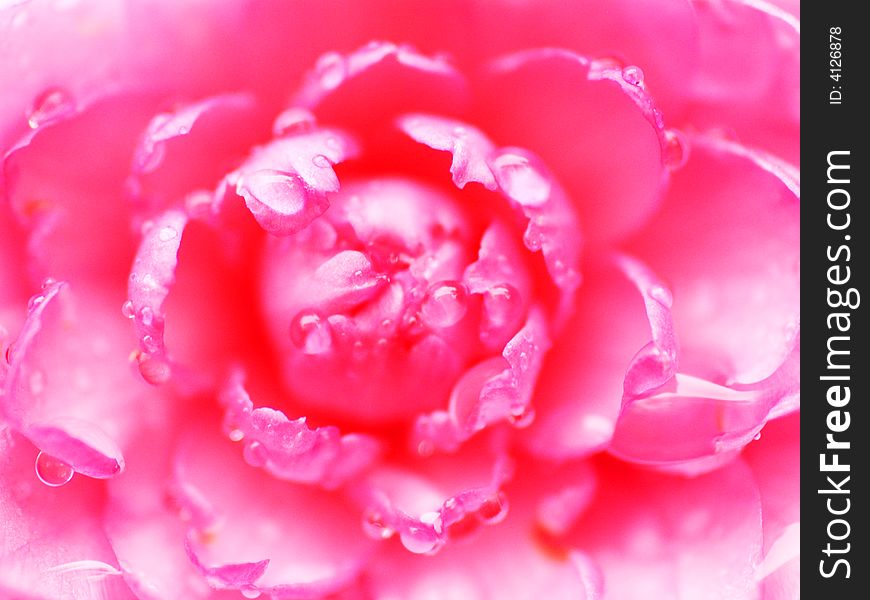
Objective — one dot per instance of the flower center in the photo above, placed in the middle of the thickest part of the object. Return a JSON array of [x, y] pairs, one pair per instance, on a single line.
[[368, 307]]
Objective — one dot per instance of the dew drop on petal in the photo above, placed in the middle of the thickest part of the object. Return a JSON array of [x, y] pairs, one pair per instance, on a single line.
[[418, 539], [47, 283], [146, 314], [249, 591], [51, 104], [128, 310], [521, 180], [375, 528], [167, 233], [445, 304], [632, 75], [154, 370], [494, 509], [331, 69], [35, 301], [311, 332], [236, 435], [277, 191], [502, 304], [662, 295], [522, 416], [321, 161], [676, 149], [254, 454], [52, 471], [293, 120], [149, 343]]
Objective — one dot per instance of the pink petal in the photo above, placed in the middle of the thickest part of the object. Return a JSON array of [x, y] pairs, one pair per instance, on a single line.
[[751, 46], [736, 316], [52, 544], [774, 460], [681, 541], [509, 560], [191, 146], [256, 522], [290, 449], [284, 183], [430, 504], [66, 198], [594, 364], [496, 389], [521, 177], [366, 88], [600, 133], [151, 277], [68, 386]]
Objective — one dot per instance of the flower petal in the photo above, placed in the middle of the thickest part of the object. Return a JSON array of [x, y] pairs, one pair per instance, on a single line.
[[600, 133], [256, 521], [681, 541], [68, 388], [523, 180], [290, 449], [68, 200], [151, 277], [727, 240], [189, 146], [284, 183], [594, 364], [52, 544], [368, 87]]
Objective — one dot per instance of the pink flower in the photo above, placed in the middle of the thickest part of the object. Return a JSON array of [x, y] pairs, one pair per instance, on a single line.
[[504, 307]]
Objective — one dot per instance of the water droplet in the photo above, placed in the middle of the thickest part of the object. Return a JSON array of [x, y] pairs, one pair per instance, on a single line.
[[147, 226], [633, 75], [676, 149], [522, 416], [52, 471], [419, 539], [50, 105], [236, 435], [35, 301], [331, 69], [128, 310], [154, 370], [47, 283], [445, 304], [149, 158], [167, 233], [375, 527], [321, 161], [249, 591], [494, 509], [293, 120], [425, 448], [311, 332], [255, 454], [520, 180], [757, 436], [662, 295], [502, 305], [149, 344], [533, 237]]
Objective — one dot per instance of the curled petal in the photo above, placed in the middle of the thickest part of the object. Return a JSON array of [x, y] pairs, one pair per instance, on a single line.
[[151, 277], [428, 511], [497, 389], [290, 449], [53, 394], [372, 84], [594, 364], [602, 135], [62, 552], [521, 177], [284, 183], [256, 540], [189, 146]]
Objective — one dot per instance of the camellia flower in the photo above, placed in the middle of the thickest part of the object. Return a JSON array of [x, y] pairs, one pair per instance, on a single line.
[[461, 300]]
